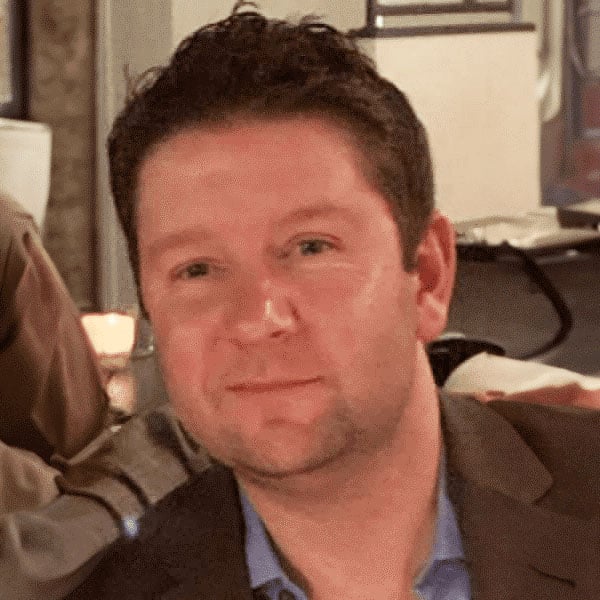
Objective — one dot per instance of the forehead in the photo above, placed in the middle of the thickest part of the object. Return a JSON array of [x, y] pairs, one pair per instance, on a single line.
[[248, 142], [252, 171]]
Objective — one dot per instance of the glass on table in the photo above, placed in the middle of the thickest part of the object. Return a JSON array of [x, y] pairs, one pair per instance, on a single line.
[[112, 336]]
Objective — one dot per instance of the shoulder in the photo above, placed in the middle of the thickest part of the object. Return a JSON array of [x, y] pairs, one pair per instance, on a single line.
[[531, 450], [565, 439], [172, 540], [553, 428], [541, 425], [14, 221]]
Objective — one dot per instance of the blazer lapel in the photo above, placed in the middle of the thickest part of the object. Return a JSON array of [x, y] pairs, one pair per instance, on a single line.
[[516, 549], [519, 551]]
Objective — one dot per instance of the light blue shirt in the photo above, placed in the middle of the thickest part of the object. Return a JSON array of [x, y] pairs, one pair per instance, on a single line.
[[444, 577]]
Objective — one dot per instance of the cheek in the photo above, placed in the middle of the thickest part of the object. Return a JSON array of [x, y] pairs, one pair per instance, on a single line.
[[361, 303], [183, 328], [187, 353], [181, 354], [375, 294], [365, 324]]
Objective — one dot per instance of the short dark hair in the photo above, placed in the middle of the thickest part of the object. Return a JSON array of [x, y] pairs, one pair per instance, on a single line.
[[248, 66]]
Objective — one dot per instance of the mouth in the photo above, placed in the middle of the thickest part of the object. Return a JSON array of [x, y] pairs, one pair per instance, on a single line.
[[279, 385]]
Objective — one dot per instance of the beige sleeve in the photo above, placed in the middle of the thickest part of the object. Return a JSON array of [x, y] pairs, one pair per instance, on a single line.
[[27, 481], [48, 551], [44, 554], [48, 544]]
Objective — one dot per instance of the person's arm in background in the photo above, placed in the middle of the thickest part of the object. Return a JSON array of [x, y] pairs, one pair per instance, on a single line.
[[52, 391], [27, 481], [568, 394], [47, 551]]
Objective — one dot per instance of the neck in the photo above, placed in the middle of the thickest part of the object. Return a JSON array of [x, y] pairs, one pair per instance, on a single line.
[[368, 522]]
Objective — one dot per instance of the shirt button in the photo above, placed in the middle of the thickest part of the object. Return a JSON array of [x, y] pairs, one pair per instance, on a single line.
[[286, 595]]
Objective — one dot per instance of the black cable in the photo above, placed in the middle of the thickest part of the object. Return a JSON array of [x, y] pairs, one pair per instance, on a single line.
[[537, 275]]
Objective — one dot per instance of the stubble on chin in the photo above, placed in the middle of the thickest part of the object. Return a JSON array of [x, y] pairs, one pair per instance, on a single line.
[[278, 451], [282, 450]]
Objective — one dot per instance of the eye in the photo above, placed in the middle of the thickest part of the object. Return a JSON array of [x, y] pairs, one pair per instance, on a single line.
[[314, 246], [195, 270]]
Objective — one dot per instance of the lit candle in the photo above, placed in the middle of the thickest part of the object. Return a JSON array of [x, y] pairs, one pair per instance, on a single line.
[[112, 336]]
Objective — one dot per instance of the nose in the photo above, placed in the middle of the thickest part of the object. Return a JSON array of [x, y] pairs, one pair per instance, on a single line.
[[263, 309]]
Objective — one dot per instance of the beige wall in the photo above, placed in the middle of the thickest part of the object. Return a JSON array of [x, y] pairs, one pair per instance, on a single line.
[[480, 112]]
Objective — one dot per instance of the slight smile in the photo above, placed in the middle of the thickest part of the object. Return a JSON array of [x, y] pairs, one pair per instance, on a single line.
[[258, 387]]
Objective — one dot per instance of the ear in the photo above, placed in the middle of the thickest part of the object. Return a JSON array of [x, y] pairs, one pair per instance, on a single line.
[[436, 265]]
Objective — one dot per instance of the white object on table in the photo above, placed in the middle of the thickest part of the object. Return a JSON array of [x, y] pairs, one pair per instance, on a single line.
[[487, 372]]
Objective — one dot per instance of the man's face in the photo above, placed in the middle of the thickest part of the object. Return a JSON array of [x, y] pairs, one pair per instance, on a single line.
[[272, 273]]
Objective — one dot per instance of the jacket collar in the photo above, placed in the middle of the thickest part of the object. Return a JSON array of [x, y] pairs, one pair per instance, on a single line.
[[485, 449]]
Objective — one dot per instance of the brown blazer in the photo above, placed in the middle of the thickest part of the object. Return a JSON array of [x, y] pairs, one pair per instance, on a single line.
[[524, 479], [52, 398]]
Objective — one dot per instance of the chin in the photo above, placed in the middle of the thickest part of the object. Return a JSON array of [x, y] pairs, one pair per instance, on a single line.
[[263, 470], [287, 453]]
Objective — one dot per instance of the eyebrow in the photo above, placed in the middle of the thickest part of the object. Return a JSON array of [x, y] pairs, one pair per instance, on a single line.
[[178, 238], [324, 209]]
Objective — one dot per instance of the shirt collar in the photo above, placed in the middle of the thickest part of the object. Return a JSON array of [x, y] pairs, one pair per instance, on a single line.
[[448, 541], [263, 564]]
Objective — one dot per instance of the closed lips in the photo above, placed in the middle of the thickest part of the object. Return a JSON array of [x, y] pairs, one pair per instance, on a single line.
[[270, 386]]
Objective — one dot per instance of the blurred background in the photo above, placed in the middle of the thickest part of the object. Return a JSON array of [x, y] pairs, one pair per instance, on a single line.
[[509, 92]]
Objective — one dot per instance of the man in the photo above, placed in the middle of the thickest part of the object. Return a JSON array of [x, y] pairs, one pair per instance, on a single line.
[[277, 197]]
